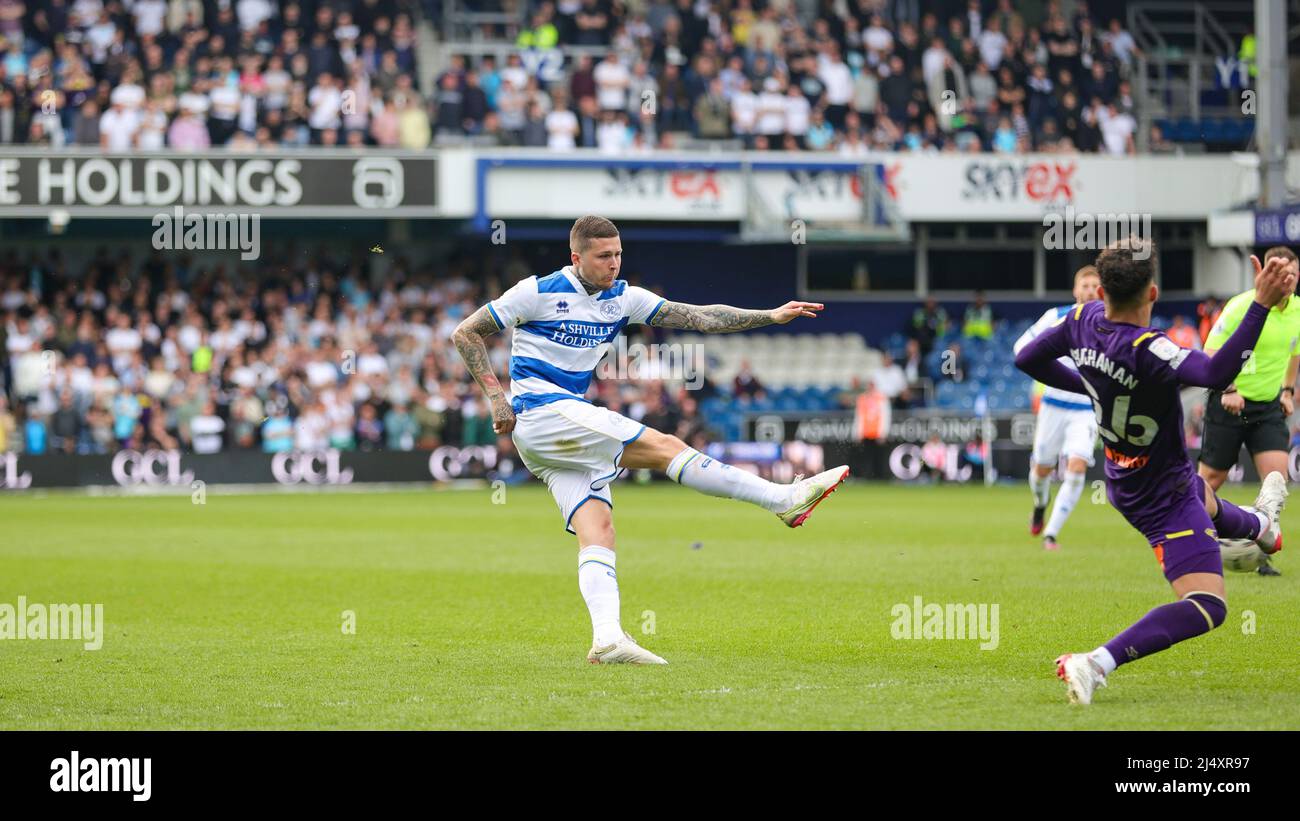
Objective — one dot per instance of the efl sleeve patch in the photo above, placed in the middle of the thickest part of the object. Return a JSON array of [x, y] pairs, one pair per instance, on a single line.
[[1162, 347]]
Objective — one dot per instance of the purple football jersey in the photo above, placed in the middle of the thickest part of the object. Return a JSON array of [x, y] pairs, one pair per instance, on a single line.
[[1130, 373], [1132, 376]]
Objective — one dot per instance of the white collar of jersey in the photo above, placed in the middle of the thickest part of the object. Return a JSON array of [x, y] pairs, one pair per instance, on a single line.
[[577, 283]]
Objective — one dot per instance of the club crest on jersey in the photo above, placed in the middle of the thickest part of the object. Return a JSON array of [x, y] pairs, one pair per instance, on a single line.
[[561, 307], [610, 310]]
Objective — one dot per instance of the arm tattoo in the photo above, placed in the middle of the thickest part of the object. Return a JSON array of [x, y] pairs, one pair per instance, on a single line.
[[468, 337], [710, 319]]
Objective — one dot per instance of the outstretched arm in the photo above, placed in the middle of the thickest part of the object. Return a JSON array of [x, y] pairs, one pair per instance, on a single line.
[[721, 319], [1039, 357], [1218, 370], [1041, 361], [1273, 283], [468, 338]]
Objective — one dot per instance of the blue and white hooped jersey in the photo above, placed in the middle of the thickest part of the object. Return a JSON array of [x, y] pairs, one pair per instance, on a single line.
[[561, 333], [1055, 396]]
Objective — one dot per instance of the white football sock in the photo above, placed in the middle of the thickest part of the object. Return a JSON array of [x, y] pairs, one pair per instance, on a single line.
[[1066, 498], [598, 583], [1264, 523], [1103, 659], [707, 475], [1041, 486]]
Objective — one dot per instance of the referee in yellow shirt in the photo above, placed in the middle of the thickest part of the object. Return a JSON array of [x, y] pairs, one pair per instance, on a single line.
[[1254, 409]]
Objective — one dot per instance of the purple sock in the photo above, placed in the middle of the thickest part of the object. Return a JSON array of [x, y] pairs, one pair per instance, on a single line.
[[1167, 625], [1235, 523]]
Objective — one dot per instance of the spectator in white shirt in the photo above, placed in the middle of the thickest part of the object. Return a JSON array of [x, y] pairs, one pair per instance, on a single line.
[[612, 133], [642, 88], [890, 379], [152, 134], [122, 341], [311, 429], [798, 113], [744, 110], [853, 146], [326, 101], [118, 125], [612, 79], [992, 44], [1122, 43], [877, 37], [1117, 130], [771, 109], [561, 126], [206, 430], [251, 13], [933, 60], [838, 79], [149, 16]]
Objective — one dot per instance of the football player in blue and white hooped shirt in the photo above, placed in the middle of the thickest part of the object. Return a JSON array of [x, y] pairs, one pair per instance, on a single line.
[[1066, 426], [562, 325]]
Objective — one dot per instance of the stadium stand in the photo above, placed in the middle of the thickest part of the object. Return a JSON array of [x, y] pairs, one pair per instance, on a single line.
[[128, 352], [613, 76]]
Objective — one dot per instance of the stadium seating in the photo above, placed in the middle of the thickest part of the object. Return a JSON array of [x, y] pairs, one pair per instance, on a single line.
[[382, 74], [1215, 131], [989, 372]]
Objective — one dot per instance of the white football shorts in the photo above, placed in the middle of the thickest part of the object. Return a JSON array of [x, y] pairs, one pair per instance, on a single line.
[[1064, 432], [574, 447]]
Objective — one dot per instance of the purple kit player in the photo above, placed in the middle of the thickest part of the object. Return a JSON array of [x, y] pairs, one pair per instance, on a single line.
[[1133, 373]]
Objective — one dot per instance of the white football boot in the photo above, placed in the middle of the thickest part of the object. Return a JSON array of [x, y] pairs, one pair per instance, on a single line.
[[1080, 675], [624, 651], [1270, 501], [806, 494]]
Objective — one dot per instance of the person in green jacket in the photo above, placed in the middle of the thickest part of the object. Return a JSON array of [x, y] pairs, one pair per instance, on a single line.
[[978, 323], [1253, 410], [541, 32]]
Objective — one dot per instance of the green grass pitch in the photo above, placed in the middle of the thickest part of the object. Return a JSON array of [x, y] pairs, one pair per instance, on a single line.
[[230, 614]]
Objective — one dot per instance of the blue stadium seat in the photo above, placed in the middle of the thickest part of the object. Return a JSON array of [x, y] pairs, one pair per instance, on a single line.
[[1213, 130]]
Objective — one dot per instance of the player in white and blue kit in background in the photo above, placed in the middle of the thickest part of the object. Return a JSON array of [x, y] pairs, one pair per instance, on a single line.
[[563, 323], [1066, 426]]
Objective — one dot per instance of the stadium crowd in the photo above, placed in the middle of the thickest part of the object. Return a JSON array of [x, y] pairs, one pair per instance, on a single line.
[[300, 352], [841, 76], [147, 353]]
